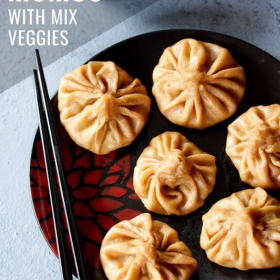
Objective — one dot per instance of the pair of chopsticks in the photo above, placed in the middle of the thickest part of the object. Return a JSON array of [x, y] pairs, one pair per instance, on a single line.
[[50, 144]]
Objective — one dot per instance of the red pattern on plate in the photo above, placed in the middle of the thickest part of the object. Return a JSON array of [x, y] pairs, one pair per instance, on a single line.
[[92, 255], [43, 208], [33, 163], [122, 165], [102, 190], [90, 230], [47, 230], [105, 222], [134, 196], [82, 210], [85, 193], [65, 153], [40, 155], [130, 183], [110, 180], [74, 179], [104, 160], [83, 162], [114, 191], [93, 177], [40, 177], [64, 135], [105, 204], [127, 214], [39, 192]]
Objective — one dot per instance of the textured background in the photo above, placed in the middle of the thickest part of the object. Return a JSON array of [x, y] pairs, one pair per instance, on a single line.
[[24, 253], [92, 19]]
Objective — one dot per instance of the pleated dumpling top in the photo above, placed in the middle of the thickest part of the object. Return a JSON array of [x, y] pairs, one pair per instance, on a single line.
[[197, 84], [243, 231], [101, 107], [253, 144], [173, 176], [143, 249]]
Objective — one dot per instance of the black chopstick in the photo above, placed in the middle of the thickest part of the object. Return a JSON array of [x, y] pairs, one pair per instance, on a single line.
[[79, 258], [63, 253]]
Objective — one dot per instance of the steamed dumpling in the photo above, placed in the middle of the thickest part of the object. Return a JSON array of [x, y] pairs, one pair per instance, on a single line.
[[173, 176], [253, 144], [143, 249], [197, 84], [102, 107], [243, 231]]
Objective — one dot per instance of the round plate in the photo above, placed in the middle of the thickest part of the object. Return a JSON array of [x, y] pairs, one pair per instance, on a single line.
[[102, 187]]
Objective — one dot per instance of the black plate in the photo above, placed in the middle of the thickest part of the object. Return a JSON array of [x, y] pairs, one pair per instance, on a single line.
[[138, 56]]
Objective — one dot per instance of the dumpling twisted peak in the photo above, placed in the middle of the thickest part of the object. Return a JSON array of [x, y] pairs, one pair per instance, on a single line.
[[173, 176], [174, 165], [143, 249], [102, 107], [197, 84], [243, 231], [253, 144]]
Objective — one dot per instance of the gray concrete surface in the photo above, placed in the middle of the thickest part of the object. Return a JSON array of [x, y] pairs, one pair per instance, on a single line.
[[92, 19], [24, 253]]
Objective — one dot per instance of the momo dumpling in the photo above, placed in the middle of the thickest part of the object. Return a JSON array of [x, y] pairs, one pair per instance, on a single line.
[[143, 249], [173, 176], [101, 107], [197, 84], [253, 144], [243, 231]]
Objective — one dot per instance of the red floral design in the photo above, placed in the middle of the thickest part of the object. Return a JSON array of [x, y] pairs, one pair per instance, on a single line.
[[85, 193], [105, 204], [74, 179], [83, 210], [129, 184], [102, 191], [83, 161], [104, 160], [134, 196], [127, 214], [114, 191], [110, 180], [93, 177], [106, 222]]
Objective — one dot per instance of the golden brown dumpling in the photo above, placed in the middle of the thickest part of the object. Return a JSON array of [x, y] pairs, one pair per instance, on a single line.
[[102, 107], [243, 231], [173, 176], [143, 249], [197, 84], [253, 144]]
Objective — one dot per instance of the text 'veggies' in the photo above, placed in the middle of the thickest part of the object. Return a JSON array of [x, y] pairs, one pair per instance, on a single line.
[[38, 16]]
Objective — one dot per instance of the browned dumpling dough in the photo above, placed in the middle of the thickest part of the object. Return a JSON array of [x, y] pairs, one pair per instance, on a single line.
[[143, 249], [197, 84], [102, 107], [173, 176], [253, 144], [243, 231]]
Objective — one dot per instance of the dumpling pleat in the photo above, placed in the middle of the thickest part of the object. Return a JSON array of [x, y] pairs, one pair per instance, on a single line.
[[173, 176], [181, 78], [170, 59], [152, 251], [219, 99], [197, 57], [223, 61], [242, 231], [253, 146], [228, 89], [101, 96]]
